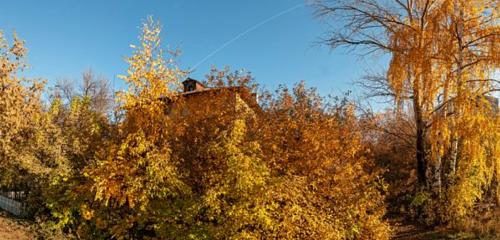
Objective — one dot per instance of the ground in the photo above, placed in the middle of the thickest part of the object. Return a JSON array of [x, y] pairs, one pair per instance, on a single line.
[[407, 230], [15, 229], [12, 228]]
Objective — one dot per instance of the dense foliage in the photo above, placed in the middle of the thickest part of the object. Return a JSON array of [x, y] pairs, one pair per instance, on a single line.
[[224, 163], [442, 72]]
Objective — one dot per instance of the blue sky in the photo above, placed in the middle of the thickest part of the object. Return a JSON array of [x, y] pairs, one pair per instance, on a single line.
[[65, 38]]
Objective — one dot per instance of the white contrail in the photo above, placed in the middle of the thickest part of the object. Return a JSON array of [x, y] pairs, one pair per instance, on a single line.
[[245, 32]]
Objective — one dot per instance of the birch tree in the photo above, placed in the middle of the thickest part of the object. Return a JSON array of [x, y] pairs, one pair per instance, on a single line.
[[443, 56]]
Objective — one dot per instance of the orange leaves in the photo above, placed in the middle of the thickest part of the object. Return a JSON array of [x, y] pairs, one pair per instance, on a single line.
[[318, 154], [444, 55], [135, 169], [212, 164]]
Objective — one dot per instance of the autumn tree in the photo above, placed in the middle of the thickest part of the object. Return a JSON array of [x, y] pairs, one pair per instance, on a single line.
[[315, 151], [151, 180], [230, 197], [30, 143], [443, 58], [81, 110], [287, 166], [135, 170], [82, 116]]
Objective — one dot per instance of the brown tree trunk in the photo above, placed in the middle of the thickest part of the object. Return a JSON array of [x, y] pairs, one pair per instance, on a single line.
[[420, 154], [420, 131]]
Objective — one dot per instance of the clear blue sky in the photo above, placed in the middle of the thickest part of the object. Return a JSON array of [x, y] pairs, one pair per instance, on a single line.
[[65, 38]]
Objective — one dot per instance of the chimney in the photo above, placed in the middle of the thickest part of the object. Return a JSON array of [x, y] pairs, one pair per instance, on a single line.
[[191, 85]]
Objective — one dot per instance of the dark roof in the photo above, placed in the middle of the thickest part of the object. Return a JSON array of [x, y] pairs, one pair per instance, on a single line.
[[193, 80]]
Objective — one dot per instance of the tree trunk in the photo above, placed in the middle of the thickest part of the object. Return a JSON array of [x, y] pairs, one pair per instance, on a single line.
[[420, 141], [454, 155], [456, 109], [421, 158], [438, 169]]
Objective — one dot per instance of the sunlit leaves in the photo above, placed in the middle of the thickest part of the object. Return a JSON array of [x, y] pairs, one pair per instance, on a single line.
[[135, 169], [443, 59], [315, 151], [29, 141]]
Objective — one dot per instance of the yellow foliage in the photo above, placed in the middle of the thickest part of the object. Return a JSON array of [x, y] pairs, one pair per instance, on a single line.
[[443, 59], [30, 144], [317, 156]]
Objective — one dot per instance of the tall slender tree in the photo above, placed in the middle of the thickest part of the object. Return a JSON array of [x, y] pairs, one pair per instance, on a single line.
[[444, 55]]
